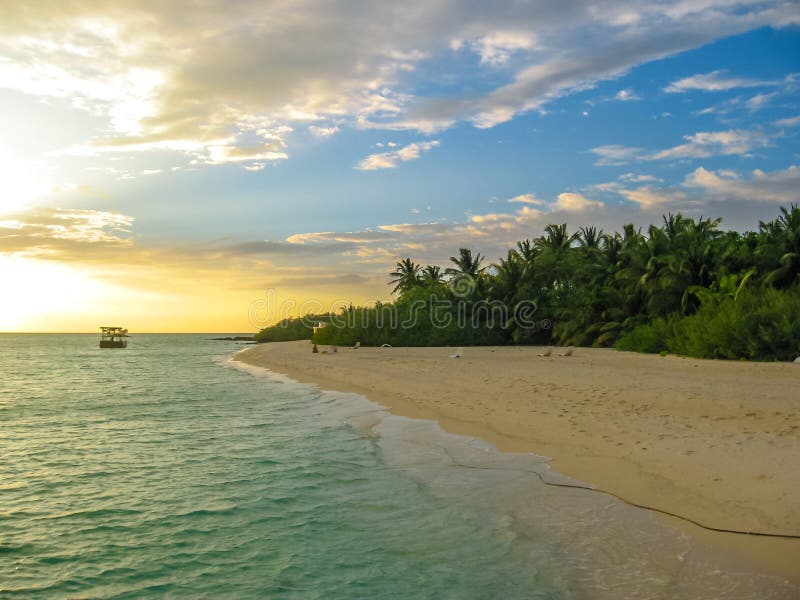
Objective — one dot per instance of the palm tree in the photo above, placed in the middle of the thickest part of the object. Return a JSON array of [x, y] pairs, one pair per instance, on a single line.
[[785, 238], [466, 264], [556, 238], [432, 274], [527, 251], [467, 277], [507, 285], [506, 281], [405, 276], [590, 237]]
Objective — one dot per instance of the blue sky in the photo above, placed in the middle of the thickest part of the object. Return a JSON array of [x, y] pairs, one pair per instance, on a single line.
[[308, 146]]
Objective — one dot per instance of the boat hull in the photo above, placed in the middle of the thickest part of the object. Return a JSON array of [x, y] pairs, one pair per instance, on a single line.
[[114, 344]]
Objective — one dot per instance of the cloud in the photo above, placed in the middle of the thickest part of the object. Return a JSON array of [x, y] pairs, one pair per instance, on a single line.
[[788, 122], [614, 154], [702, 144], [527, 199], [497, 47], [268, 151], [650, 197], [714, 143], [715, 81], [492, 233], [323, 132], [390, 160], [759, 101], [725, 193], [572, 202], [64, 232], [627, 95], [225, 77], [322, 237], [781, 187], [638, 177]]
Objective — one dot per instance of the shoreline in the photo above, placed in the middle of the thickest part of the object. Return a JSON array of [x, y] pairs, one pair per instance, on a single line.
[[712, 441]]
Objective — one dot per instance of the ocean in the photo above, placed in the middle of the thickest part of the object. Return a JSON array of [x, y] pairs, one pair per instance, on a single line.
[[169, 470]]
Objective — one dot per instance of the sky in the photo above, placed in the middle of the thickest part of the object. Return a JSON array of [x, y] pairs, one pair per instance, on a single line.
[[214, 165]]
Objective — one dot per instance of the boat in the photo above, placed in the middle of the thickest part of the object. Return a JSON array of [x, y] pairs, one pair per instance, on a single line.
[[113, 337]]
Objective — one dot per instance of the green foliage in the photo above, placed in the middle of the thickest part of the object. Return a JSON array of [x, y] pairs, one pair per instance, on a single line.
[[648, 337], [426, 315], [758, 325], [762, 324], [289, 330], [683, 287], [405, 276]]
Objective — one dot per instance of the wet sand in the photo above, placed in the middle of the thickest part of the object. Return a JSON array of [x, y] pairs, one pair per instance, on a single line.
[[715, 442]]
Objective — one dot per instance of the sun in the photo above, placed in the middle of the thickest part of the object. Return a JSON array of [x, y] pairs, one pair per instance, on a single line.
[[35, 292]]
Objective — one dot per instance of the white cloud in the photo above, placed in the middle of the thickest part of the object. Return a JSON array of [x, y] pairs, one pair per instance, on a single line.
[[390, 160], [230, 153], [614, 154], [650, 197], [789, 122], [781, 187], [527, 199], [323, 132], [702, 144], [638, 178], [759, 101], [496, 48], [722, 192], [627, 95], [165, 78], [571, 202], [715, 143], [715, 81]]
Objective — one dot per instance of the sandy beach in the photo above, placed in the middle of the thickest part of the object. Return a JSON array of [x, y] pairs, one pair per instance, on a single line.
[[715, 442]]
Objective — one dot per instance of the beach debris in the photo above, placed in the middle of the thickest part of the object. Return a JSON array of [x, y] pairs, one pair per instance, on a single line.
[[334, 349], [569, 351], [797, 360], [547, 352], [386, 345], [314, 349], [356, 347], [457, 353]]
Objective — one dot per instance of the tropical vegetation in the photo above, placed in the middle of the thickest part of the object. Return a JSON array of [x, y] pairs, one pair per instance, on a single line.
[[684, 286]]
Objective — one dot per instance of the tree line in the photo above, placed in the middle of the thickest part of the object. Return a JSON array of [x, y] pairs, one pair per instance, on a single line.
[[684, 286]]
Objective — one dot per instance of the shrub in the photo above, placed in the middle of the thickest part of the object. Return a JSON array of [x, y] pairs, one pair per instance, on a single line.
[[761, 324]]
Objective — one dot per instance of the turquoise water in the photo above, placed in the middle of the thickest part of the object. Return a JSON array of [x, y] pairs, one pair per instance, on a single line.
[[166, 470]]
